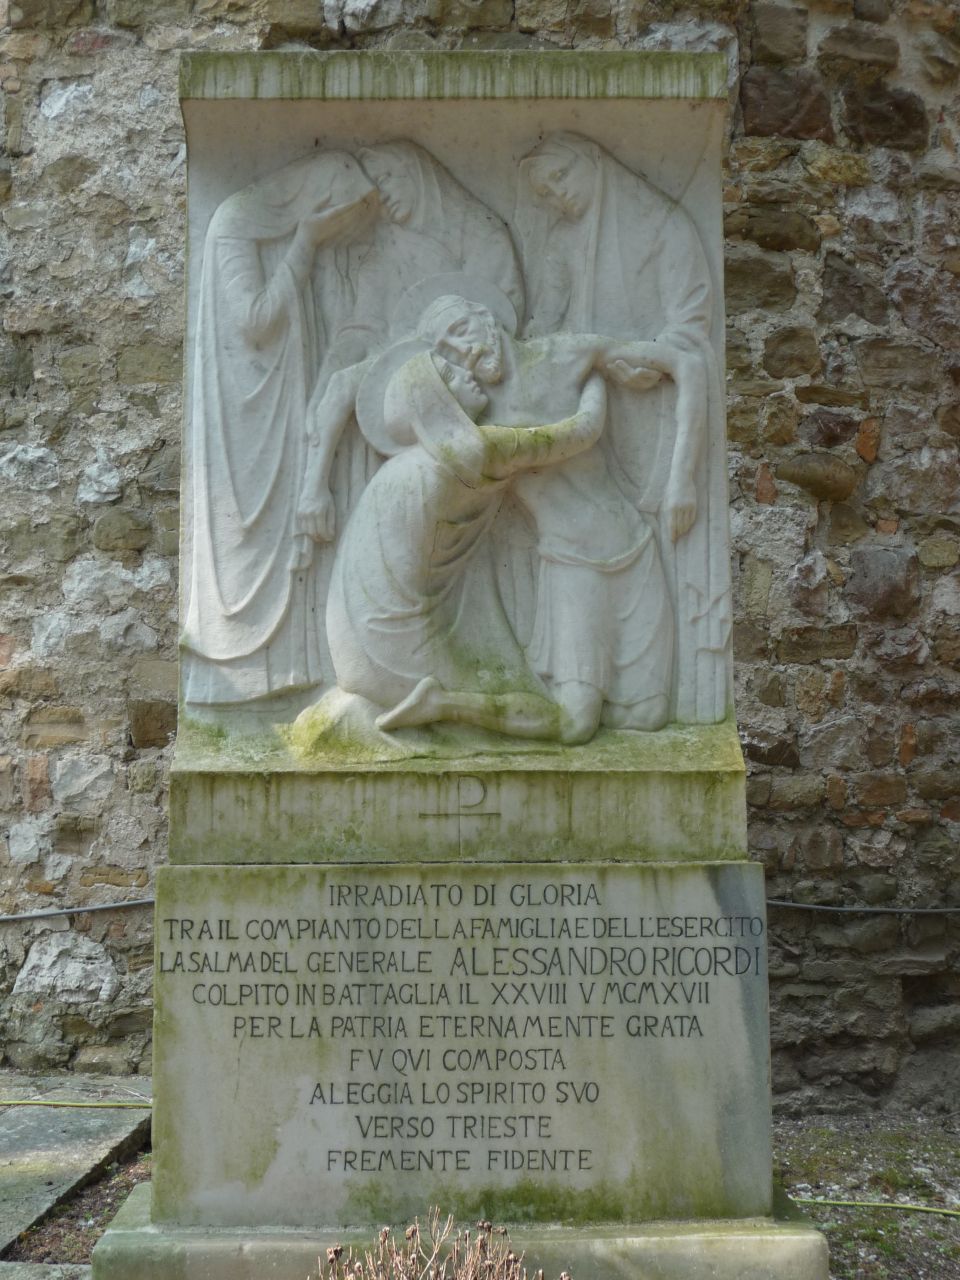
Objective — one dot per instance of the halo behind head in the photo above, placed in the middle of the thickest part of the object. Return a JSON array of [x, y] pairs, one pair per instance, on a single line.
[[412, 305], [372, 394]]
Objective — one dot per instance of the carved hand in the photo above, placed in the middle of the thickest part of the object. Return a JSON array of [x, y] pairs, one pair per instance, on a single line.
[[316, 515], [637, 377], [341, 221], [637, 365], [680, 505]]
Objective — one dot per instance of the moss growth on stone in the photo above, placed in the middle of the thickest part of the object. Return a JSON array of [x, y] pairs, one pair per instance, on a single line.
[[384, 75]]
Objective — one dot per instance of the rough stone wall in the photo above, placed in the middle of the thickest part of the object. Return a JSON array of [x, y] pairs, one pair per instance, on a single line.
[[843, 225]]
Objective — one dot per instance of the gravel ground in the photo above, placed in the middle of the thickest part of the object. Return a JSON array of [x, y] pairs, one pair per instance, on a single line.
[[70, 1231], [900, 1159], [905, 1160]]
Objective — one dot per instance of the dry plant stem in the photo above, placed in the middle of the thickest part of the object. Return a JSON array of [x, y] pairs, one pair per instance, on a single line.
[[435, 1253]]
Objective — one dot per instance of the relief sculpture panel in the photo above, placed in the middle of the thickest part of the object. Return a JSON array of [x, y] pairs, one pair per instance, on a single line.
[[444, 472]]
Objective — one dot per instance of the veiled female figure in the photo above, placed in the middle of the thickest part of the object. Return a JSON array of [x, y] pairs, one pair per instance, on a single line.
[[430, 224], [249, 619], [605, 251]]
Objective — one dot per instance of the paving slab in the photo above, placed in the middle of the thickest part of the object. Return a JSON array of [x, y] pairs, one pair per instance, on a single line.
[[46, 1152]]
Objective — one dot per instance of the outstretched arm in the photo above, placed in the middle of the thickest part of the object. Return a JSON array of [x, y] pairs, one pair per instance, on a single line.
[[261, 306], [512, 449], [680, 499], [327, 415], [630, 364]]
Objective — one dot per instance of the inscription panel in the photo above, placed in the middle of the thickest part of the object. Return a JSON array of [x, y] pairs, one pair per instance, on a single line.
[[345, 1045]]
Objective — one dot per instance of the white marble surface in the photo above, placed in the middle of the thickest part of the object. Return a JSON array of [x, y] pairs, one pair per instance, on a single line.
[[563, 1043], [455, 432]]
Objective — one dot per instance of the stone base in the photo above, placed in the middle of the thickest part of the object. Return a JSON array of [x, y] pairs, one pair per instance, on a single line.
[[332, 1044], [673, 796], [743, 1249]]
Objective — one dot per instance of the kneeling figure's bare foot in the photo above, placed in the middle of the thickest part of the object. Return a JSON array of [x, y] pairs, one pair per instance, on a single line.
[[422, 706]]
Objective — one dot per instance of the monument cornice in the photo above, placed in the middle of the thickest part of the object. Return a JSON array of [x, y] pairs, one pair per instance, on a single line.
[[385, 75]]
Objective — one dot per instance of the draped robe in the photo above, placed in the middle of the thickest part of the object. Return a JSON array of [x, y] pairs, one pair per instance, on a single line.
[[247, 628], [267, 339], [632, 266]]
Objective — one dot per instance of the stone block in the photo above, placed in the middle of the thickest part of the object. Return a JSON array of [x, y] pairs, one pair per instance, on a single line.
[[928, 299], [871, 10], [939, 551], [104, 1060], [498, 991], [779, 420], [937, 784], [7, 781], [16, 364], [857, 50], [31, 467], [70, 967], [768, 748], [118, 877], [677, 793], [471, 14], [49, 13], [879, 789], [824, 429], [890, 365], [876, 116], [941, 59], [156, 675], [152, 722], [595, 18], [120, 530], [779, 33], [80, 367], [738, 354], [82, 783], [758, 281], [867, 443], [848, 291], [820, 849], [791, 352], [812, 644], [824, 475], [833, 396], [846, 525], [162, 472], [777, 229], [149, 362], [797, 792], [29, 683], [934, 1022], [779, 101], [36, 784], [833, 166], [746, 1250], [53, 726], [885, 581]]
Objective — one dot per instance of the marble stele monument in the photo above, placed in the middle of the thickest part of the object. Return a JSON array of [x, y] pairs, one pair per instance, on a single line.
[[460, 910]]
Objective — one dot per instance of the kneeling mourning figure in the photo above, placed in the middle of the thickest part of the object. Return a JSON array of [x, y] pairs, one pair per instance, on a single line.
[[444, 470]]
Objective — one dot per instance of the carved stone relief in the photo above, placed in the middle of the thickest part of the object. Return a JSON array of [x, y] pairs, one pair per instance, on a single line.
[[424, 482]]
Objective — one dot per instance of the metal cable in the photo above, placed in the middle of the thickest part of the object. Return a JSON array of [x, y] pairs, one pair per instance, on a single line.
[[866, 911], [77, 911]]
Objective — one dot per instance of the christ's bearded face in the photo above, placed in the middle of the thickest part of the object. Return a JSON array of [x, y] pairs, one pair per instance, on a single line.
[[472, 339]]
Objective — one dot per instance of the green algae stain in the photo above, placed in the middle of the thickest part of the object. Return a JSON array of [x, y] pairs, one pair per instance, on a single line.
[[380, 75]]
